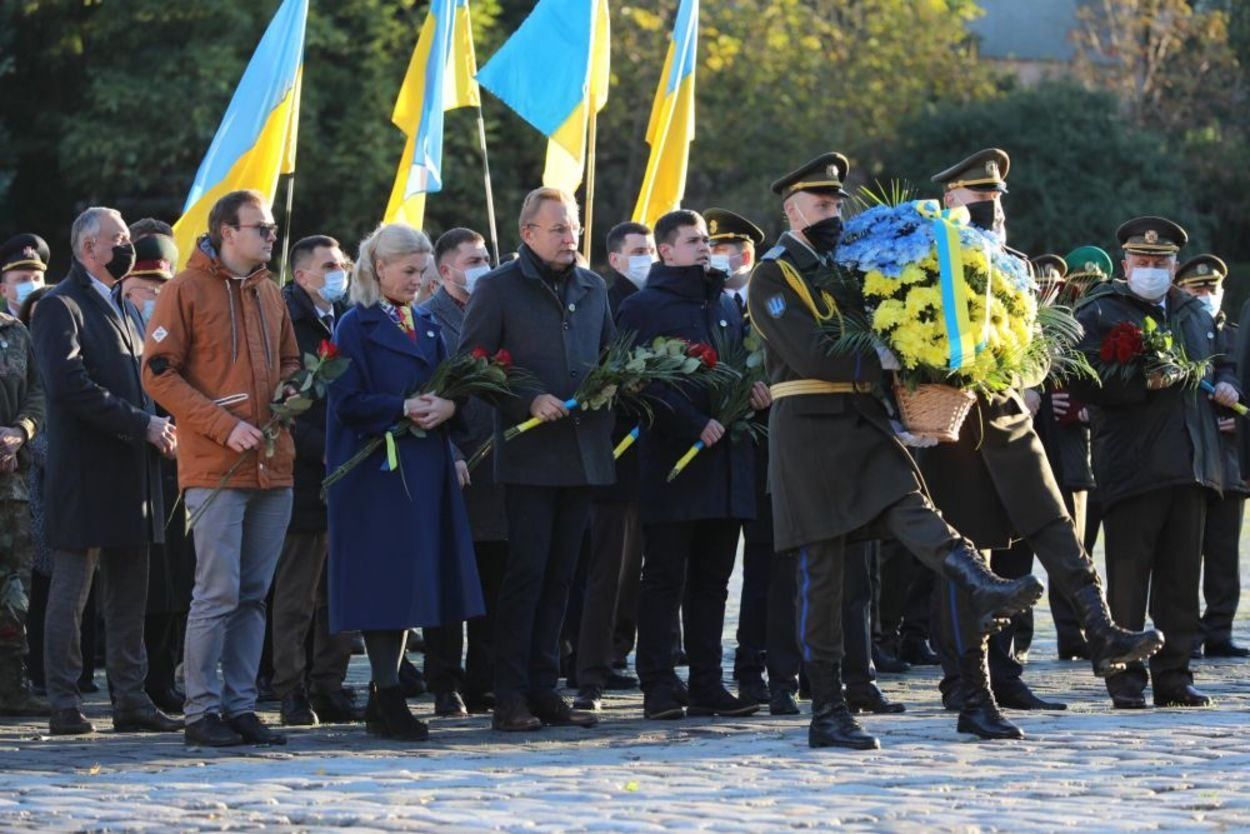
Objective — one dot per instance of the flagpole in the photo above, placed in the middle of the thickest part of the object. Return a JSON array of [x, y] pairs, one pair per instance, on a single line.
[[590, 186], [490, 198], [286, 233]]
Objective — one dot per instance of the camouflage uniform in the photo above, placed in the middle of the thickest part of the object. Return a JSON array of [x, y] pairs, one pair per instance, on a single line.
[[21, 408]]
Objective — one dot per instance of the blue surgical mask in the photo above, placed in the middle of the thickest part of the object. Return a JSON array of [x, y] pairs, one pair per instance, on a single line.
[[638, 270], [335, 286], [1212, 302], [472, 275], [24, 290], [149, 307]]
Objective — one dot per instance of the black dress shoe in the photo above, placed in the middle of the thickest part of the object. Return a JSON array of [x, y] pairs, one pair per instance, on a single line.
[[782, 702], [69, 722], [753, 689], [297, 711], [449, 705], [680, 693], [479, 703], [168, 701], [916, 651], [1021, 697], [150, 720], [953, 700], [551, 709], [722, 703], [661, 704], [589, 698], [335, 706], [387, 715], [1225, 648], [834, 726], [1184, 696], [1072, 650], [980, 717], [868, 698], [512, 715], [250, 728], [620, 682], [1128, 700], [1196, 652], [886, 662], [210, 731]]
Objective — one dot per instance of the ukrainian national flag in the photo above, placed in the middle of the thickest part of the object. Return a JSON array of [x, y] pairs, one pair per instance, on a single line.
[[439, 78], [553, 72], [255, 142], [671, 129]]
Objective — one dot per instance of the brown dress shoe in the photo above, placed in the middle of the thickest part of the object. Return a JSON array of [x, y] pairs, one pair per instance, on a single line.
[[69, 722]]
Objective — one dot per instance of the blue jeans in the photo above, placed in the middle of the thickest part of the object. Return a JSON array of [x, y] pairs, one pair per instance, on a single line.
[[237, 544]]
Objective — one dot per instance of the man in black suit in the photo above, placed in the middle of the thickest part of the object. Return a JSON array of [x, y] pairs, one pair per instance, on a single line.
[[88, 347], [614, 569]]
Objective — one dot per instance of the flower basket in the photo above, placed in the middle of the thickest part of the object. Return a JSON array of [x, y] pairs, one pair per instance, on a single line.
[[936, 411]]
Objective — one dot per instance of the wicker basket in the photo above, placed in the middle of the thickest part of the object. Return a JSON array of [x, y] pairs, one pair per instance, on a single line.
[[935, 411]]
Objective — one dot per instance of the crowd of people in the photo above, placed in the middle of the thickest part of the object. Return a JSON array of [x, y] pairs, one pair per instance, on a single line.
[[146, 484]]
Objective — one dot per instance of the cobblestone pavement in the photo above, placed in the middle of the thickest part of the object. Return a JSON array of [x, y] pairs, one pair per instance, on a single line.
[[1088, 769]]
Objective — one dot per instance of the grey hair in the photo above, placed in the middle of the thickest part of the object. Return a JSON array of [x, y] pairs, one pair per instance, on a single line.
[[385, 243], [87, 225]]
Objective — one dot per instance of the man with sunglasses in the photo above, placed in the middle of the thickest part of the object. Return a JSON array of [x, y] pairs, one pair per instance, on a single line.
[[218, 344]]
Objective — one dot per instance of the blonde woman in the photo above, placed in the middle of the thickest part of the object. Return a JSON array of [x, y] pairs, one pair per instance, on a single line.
[[401, 552]]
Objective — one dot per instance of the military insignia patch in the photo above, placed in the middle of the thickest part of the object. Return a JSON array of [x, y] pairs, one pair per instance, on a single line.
[[991, 169], [29, 252], [1152, 236], [777, 306], [831, 172], [1090, 266], [712, 227], [1203, 269]]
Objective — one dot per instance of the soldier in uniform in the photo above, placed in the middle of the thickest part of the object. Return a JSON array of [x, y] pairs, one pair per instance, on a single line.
[[1157, 456], [21, 417], [23, 262], [1203, 277], [836, 467], [766, 613], [996, 485]]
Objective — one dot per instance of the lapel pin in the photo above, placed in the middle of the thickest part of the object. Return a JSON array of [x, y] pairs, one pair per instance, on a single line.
[[572, 308]]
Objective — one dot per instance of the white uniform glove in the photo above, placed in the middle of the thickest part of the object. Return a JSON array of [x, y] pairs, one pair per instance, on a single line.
[[908, 439]]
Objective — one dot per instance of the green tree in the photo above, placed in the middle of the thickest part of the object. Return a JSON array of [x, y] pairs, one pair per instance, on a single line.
[[1079, 169]]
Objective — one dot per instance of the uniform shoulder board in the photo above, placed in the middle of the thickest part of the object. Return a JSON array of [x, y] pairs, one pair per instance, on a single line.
[[774, 253]]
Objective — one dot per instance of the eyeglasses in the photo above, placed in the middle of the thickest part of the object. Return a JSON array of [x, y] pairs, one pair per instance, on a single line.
[[265, 230], [558, 231]]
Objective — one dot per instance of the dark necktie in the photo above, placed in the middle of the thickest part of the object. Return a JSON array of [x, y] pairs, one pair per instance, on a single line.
[[742, 307]]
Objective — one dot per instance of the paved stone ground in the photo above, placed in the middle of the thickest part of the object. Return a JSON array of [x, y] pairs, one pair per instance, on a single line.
[[1088, 769]]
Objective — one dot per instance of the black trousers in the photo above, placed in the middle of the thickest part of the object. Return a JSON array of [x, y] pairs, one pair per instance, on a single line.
[[1154, 552], [545, 529], [766, 619], [685, 564], [904, 599], [445, 645], [1221, 575], [615, 532], [857, 592], [1005, 671]]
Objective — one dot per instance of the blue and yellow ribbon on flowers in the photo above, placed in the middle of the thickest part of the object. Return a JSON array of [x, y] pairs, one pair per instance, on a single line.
[[626, 442], [1238, 408], [961, 341], [534, 422], [392, 453], [684, 461]]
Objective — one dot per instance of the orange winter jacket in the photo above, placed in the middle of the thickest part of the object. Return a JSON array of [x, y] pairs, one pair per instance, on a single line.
[[216, 349]]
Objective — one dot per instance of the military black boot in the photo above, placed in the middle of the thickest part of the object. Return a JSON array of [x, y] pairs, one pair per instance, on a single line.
[[979, 714], [994, 599], [1111, 648], [832, 723]]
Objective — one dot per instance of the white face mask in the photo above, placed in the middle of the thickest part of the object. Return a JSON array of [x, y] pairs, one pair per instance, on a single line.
[[1149, 282], [24, 290], [1212, 302], [721, 263], [639, 268], [472, 275], [335, 286]]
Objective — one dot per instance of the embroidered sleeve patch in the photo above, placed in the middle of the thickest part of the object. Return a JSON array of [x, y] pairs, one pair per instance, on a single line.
[[777, 306], [159, 334]]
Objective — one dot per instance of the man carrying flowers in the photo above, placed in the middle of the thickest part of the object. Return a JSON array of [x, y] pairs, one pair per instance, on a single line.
[[995, 485], [691, 523], [1156, 448], [836, 468]]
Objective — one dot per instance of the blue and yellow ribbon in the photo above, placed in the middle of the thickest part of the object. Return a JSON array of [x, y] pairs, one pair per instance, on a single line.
[[685, 460], [534, 422], [961, 341], [626, 442]]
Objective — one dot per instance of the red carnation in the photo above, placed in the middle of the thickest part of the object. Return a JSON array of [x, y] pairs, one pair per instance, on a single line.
[[327, 350], [502, 358], [704, 353], [479, 353]]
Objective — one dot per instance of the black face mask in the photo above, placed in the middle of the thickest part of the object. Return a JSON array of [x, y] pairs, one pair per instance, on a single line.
[[122, 262], [825, 234], [981, 214]]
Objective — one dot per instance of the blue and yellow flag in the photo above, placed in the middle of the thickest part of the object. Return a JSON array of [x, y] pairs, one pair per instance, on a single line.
[[439, 78], [671, 129], [255, 142], [553, 71]]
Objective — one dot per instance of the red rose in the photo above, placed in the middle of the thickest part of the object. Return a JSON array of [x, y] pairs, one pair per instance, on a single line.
[[327, 349], [1122, 344], [704, 353], [502, 358], [710, 358], [479, 353]]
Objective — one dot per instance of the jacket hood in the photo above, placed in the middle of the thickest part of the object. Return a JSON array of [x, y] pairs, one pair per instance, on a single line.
[[206, 259], [687, 281]]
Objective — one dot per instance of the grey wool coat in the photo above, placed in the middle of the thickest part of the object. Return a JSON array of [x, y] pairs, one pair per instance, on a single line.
[[556, 331]]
